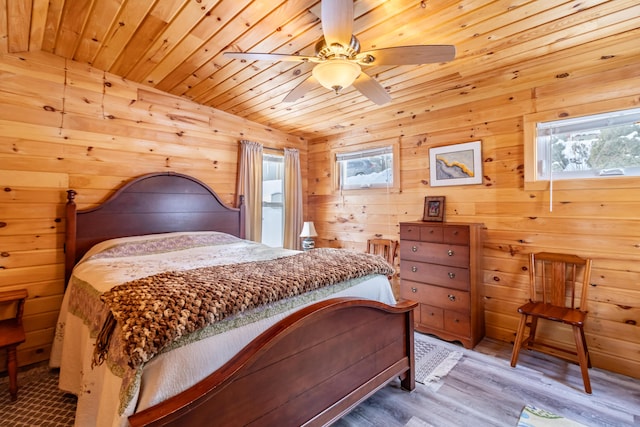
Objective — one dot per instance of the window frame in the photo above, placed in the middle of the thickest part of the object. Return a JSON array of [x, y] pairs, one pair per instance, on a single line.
[[531, 179], [281, 204], [354, 149]]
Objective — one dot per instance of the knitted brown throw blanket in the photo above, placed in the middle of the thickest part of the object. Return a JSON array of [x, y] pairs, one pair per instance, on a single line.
[[154, 311]]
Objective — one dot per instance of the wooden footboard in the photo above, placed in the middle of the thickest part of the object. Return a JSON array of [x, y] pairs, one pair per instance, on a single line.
[[308, 369]]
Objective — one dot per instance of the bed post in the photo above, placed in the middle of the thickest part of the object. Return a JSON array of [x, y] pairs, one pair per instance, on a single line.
[[70, 240], [242, 207], [408, 378]]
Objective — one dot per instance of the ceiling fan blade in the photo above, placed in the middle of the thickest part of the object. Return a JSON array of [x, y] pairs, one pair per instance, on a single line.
[[370, 88], [304, 87], [408, 55], [269, 57], [337, 21]]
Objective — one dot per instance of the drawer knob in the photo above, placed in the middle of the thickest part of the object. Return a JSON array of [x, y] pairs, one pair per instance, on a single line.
[[451, 297], [450, 252], [414, 249], [414, 290], [414, 268], [452, 275]]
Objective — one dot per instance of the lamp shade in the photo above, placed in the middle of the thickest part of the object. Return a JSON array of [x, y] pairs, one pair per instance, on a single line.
[[336, 74], [308, 230]]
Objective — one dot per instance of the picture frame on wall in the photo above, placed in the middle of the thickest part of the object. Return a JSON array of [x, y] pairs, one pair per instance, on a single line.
[[459, 164], [433, 209]]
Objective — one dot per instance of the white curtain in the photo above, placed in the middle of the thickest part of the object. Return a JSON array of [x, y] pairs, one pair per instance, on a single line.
[[292, 199], [250, 185]]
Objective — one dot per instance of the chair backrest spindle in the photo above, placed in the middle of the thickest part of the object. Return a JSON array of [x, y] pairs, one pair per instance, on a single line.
[[558, 278], [386, 248]]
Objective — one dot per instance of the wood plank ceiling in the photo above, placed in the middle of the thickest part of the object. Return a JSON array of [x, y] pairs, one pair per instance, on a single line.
[[177, 45]]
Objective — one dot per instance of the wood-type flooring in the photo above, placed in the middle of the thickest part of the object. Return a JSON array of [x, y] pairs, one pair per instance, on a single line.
[[484, 390], [481, 390]]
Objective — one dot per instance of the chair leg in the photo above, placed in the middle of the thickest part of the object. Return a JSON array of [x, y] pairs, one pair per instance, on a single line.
[[517, 343], [586, 350], [12, 367], [533, 328], [583, 357]]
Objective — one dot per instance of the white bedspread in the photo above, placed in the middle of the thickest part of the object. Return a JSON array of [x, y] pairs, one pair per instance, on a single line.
[[101, 398]]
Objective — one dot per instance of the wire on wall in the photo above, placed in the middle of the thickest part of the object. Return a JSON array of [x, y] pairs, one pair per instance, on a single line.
[[64, 97], [550, 171]]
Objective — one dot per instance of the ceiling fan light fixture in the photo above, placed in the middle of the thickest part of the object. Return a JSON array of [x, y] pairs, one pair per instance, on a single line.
[[336, 74]]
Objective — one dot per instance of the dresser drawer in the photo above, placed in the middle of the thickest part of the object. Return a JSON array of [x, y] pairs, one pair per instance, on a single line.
[[448, 299], [410, 232], [427, 233], [438, 253], [431, 316], [432, 233], [435, 274], [456, 235], [457, 323]]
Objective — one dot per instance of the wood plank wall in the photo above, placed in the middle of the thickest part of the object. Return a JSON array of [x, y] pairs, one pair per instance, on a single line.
[[65, 125], [97, 131], [602, 223]]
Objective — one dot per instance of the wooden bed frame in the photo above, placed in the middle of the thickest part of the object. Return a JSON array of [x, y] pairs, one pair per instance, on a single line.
[[311, 368]]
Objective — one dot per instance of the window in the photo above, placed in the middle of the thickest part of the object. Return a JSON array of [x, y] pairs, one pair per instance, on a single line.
[[366, 168], [272, 200], [594, 146]]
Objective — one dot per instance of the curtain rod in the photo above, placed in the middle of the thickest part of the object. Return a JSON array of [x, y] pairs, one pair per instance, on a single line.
[[264, 147], [279, 150]]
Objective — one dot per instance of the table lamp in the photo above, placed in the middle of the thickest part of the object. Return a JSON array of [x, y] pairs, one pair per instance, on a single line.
[[308, 231]]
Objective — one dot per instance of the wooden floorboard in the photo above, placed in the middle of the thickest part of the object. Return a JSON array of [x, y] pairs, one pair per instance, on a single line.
[[484, 390]]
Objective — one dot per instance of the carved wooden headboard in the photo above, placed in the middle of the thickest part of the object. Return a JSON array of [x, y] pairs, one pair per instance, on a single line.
[[154, 203]]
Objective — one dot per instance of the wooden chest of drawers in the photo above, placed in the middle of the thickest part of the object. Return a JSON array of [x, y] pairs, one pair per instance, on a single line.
[[440, 268]]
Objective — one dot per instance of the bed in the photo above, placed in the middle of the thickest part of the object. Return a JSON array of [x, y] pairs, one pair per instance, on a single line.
[[305, 358]]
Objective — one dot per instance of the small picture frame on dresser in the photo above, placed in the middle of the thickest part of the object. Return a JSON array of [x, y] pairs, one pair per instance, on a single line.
[[433, 209]]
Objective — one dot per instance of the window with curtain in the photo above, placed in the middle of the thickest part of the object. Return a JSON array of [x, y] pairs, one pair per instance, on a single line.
[[250, 186], [272, 186], [293, 199]]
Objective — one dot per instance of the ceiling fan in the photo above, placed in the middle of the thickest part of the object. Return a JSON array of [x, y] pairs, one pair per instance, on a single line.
[[340, 62]]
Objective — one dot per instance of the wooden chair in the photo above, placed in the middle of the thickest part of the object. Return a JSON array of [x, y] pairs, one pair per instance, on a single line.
[[558, 292], [12, 334], [386, 248]]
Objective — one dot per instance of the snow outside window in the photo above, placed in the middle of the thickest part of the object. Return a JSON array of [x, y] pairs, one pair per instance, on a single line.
[[372, 168], [595, 146]]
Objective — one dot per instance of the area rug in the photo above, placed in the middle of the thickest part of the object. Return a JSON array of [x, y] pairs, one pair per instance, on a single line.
[[40, 402], [433, 360], [536, 417]]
